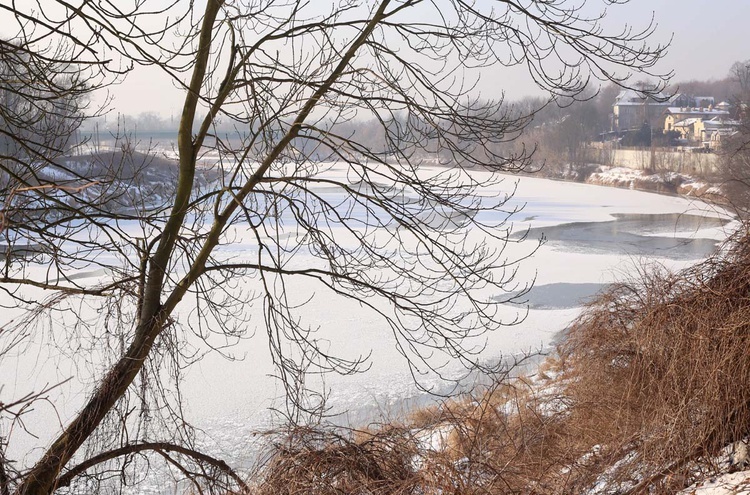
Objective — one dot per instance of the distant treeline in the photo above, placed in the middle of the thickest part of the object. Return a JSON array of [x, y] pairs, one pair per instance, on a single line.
[[557, 131]]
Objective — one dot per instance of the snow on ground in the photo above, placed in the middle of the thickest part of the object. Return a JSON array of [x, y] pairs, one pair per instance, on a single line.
[[726, 484], [669, 182]]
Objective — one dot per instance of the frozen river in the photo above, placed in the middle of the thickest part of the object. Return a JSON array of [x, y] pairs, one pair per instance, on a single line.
[[594, 235]]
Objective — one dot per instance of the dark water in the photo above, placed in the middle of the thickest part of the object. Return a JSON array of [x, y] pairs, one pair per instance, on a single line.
[[638, 235], [560, 295], [641, 236]]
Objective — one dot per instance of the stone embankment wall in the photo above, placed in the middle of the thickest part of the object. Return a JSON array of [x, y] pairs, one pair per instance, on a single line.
[[685, 162]]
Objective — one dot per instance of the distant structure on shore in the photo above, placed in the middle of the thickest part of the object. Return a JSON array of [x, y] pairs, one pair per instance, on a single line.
[[693, 121]]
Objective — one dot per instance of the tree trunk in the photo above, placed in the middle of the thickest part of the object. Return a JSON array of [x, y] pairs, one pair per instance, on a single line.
[[42, 477]]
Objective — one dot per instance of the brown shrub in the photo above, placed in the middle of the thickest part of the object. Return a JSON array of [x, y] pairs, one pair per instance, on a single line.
[[659, 368], [325, 461], [505, 439]]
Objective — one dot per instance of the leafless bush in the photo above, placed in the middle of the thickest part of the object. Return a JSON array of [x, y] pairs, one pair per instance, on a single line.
[[323, 461], [660, 374], [512, 437]]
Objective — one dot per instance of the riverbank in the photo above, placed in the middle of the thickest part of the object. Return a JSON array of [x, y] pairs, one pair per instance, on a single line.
[[649, 394], [658, 182], [703, 188]]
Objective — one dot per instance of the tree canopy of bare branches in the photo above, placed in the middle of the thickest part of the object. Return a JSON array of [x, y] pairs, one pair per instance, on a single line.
[[734, 154], [423, 248]]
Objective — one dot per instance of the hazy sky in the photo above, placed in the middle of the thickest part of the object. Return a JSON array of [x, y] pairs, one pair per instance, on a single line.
[[708, 36]]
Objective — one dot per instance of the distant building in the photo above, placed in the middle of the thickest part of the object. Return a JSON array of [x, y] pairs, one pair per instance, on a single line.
[[713, 132], [704, 101], [698, 120], [686, 128], [632, 108], [675, 115], [705, 127]]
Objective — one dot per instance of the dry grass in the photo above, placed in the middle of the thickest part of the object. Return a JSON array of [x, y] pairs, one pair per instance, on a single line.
[[653, 380], [324, 461], [660, 368]]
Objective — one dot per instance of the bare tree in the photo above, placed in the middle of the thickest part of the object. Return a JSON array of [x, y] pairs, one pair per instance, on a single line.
[[290, 76], [734, 154], [739, 73]]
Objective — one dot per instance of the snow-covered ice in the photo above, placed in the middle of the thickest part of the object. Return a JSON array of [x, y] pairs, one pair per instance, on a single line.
[[230, 400]]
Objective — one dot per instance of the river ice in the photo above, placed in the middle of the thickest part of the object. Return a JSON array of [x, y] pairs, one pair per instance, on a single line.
[[594, 236]]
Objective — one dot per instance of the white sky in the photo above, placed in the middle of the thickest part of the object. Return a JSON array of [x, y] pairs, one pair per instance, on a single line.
[[709, 36]]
